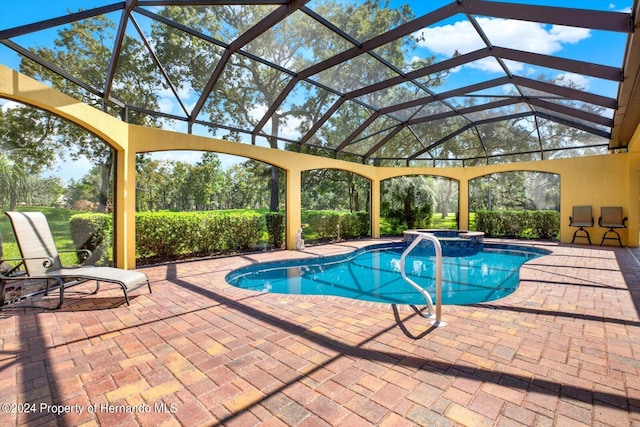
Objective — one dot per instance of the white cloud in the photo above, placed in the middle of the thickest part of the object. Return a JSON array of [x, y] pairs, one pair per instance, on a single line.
[[572, 80], [533, 37]]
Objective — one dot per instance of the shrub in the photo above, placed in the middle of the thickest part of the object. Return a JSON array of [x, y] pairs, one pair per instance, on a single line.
[[169, 235], [162, 234], [92, 231], [206, 234], [324, 224], [546, 224], [241, 231], [275, 222], [353, 225], [522, 224]]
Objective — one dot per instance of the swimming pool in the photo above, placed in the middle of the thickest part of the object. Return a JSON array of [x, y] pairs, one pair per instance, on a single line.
[[372, 274]]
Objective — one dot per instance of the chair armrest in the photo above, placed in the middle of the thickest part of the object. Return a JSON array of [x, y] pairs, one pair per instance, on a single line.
[[47, 260], [83, 254]]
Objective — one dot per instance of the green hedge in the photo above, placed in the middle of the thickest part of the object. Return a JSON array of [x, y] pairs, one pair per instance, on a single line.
[[173, 234], [521, 224], [275, 222], [92, 231], [324, 224]]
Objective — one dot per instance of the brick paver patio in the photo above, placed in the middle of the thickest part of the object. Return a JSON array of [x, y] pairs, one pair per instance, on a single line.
[[563, 350]]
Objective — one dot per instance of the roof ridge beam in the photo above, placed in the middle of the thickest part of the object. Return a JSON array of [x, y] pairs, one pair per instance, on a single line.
[[566, 92], [382, 39], [579, 67], [570, 17], [467, 127], [254, 32], [576, 125], [61, 20], [568, 111], [474, 109]]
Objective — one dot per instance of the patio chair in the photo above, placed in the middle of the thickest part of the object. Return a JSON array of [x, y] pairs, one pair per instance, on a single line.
[[611, 218], [16, 286], [582, 217], [42, 259]]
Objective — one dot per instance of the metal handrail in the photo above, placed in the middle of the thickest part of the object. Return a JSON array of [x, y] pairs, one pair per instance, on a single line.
[[438, 247]]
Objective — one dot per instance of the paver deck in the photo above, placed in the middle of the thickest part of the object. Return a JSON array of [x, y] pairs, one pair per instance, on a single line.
[[563, 350]]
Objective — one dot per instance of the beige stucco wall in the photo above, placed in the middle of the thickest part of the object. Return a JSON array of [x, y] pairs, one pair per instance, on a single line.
[[608, 180]]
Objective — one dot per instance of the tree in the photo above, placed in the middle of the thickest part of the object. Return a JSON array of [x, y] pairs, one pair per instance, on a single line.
[[155, 184], [334, 189], [28, 145], [206, 179], [515, 190], [84, 194], [39, 191], [12, 178], [247, 86], [410, 199], [248, 185], [446, 191], [83, 49]]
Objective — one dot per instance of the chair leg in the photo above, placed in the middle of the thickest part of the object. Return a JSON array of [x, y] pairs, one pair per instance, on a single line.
[[611, 230], [585, 232]]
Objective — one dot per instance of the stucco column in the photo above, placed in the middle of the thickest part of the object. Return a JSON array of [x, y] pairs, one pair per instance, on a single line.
[[294, 206], [375, 208], [463, 204], [125, 217], [633, 222]]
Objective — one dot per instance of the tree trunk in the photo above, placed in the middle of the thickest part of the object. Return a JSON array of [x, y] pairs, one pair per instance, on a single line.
[[274, 182], [409, 213], [274, 186], [105, 174], [13, 198]]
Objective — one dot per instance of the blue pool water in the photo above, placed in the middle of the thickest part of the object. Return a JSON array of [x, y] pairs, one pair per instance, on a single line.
[[372, 274]]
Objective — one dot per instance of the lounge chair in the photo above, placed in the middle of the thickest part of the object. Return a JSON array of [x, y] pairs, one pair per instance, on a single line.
[[42, 259], [611, 218], [582, 217], [16, 286]]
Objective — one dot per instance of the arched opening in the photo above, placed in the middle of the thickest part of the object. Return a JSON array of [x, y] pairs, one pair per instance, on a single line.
[[53, 165], [336, 205], [420, 201], [193, 203], [523, 204]]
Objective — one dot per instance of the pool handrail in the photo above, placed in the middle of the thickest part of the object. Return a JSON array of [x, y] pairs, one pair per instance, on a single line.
[[436, 243]]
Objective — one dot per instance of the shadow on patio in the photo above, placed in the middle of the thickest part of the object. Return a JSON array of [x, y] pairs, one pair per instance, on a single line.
[[563, 348]]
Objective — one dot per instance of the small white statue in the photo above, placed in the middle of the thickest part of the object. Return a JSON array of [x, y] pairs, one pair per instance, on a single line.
[[299, 240]]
